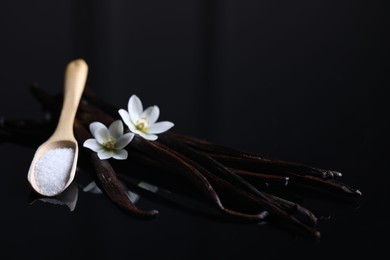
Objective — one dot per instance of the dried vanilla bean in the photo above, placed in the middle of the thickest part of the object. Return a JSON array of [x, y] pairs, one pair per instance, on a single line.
[[251, 161], [108, 179], [239, 184], [263, 180], [115, 190], [302, 176], [191, 170]]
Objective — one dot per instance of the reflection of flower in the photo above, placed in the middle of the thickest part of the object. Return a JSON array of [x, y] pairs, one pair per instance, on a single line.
[[93, 188], [143, 122], [108, 142]]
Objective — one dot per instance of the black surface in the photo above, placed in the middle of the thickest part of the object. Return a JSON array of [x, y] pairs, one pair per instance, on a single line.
[[301, 81]]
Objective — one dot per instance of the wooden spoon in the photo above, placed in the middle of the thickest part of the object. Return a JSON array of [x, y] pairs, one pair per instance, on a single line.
[[49, 174]]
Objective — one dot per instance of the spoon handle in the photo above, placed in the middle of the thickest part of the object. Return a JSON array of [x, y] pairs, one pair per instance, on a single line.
[[75, 79]]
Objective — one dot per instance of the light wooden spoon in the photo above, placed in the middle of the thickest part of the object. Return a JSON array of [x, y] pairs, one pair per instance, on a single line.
[[63, 137]]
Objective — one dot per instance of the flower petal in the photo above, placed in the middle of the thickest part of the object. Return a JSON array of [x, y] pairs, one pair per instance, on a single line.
[[120, 154], [102, 135], [136, 131], [133, 128], [135, 108], [150, 137], [92, 144], [105, 154], [160, 127], [151, 114], [146, 136], [124, 140], [116, 129], [94, 126], [125, 117]]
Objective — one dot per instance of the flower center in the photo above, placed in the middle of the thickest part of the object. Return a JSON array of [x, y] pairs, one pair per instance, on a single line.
[[141, 125], [109, 144]]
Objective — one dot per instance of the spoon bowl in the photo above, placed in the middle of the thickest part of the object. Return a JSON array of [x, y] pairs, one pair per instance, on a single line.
[[54, 164]]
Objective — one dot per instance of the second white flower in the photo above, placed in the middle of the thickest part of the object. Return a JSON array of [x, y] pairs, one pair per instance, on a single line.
[[143, 122]]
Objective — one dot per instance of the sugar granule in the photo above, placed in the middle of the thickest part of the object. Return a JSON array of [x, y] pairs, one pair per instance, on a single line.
[[52, 170]]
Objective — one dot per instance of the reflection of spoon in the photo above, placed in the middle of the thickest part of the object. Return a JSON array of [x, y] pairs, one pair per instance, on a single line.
[[68, 197], [54, 164]]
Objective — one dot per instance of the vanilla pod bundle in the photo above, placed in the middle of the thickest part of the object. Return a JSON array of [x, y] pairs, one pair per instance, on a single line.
[[240, 185]]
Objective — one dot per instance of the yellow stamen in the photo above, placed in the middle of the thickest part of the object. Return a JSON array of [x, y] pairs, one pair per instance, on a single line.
[[110, 144], [140, 126]]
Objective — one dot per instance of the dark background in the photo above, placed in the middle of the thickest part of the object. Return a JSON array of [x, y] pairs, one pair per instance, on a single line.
[[303, 81]]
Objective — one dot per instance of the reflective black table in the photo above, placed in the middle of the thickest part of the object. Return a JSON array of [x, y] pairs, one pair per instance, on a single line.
[[301, 81], [85, 223]]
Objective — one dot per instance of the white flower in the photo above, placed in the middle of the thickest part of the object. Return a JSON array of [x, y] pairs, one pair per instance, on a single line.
[[143, 122], [108, 142]]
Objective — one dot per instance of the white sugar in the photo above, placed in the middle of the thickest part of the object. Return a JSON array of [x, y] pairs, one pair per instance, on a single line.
[[52, 170]]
